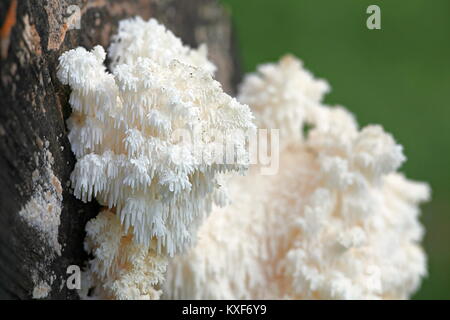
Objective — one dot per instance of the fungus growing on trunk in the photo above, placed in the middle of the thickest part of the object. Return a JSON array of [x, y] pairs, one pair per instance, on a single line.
[[143, 136], [337, 221]]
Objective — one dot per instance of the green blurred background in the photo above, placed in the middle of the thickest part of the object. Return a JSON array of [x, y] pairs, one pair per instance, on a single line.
[[398, 76]]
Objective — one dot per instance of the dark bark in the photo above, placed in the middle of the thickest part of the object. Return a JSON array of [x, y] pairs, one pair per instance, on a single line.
[[34, 107]]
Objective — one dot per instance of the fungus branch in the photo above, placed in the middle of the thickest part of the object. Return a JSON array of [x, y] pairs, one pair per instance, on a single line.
[[336, 222], [142, 138]]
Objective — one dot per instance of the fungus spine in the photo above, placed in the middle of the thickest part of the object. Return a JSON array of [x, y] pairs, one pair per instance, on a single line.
[[143, 135], [337, 221]]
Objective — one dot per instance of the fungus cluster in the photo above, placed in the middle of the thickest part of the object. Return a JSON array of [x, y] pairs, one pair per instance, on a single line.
[[336, 222], [143, 135]]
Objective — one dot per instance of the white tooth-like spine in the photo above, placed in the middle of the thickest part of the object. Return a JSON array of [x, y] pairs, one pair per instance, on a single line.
[[137, 39], [122, 269], [159, 186], [278, 103], [336, 222]]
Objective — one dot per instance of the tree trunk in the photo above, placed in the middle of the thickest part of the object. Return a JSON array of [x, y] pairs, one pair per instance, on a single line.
[[36, 247]]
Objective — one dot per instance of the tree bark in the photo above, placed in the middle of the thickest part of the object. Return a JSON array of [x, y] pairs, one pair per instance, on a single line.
[[35, 155]]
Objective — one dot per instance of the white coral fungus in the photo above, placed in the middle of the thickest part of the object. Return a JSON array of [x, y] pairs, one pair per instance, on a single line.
[[128, 131], [125, 269], [336, 222]]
